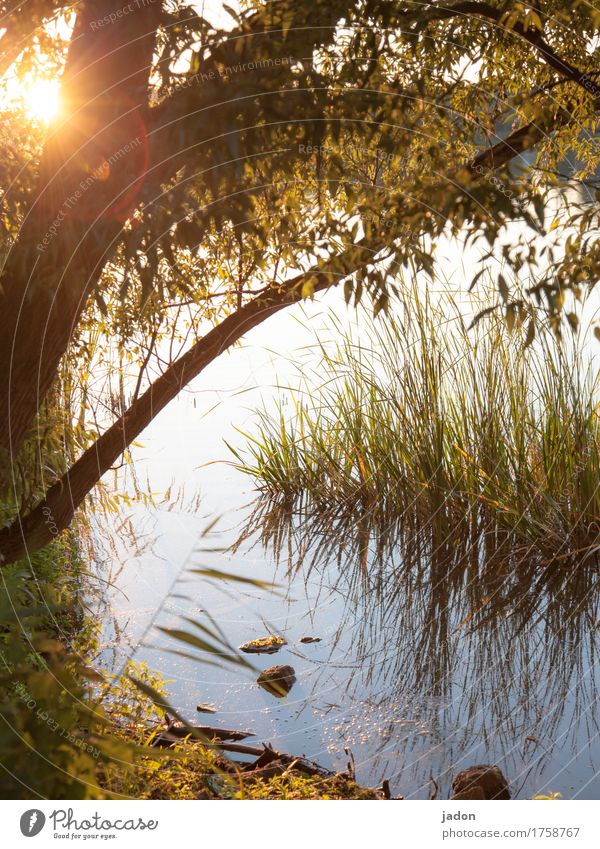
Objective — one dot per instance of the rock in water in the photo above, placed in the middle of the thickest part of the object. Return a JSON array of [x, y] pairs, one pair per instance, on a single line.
[[264, 645], [310, 639], [206, 708], [278, 680], [480, 782]]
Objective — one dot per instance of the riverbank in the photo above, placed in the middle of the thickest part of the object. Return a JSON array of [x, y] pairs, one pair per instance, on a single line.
[[192, 771], [71, 733], [48, 737]]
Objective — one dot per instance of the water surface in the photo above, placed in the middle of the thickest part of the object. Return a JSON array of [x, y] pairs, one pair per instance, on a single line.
[[406, 680]]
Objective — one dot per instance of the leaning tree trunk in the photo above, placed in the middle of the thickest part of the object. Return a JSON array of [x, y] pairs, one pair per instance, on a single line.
[[54, 513], [35, 530], [91, 171]]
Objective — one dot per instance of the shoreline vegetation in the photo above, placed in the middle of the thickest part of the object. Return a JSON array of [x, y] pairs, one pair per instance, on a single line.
[[426, 428], [88, 735], [101, 736], [458, 442]]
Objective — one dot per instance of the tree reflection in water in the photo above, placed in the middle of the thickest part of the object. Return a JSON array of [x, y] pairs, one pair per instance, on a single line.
[[485, 647]]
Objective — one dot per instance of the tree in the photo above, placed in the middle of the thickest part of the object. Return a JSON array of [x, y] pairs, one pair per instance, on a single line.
[[221, 174]]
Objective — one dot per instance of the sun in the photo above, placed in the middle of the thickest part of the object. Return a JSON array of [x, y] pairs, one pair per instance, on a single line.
[[41, 100]]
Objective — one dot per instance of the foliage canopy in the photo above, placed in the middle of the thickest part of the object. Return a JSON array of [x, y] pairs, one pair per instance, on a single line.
[[228, 164]]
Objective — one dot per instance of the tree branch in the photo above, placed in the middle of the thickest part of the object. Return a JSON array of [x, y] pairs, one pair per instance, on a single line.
[[531, 35], [51, 516]]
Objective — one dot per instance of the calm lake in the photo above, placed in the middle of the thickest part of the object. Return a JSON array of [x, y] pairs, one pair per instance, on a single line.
[[411, 693]]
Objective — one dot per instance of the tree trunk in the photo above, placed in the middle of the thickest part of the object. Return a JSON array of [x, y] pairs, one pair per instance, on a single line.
[[91, 171]]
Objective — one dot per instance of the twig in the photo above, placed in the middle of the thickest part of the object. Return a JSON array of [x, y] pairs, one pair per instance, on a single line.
[[351, 764], [436, 788]]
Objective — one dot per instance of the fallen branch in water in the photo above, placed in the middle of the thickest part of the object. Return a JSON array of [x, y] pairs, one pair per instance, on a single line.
[[267, 762], [180, 730]]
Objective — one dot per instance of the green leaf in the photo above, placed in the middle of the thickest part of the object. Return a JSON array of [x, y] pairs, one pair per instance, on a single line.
[[308, 288], [224, 652], [510, 317], [228, 576]]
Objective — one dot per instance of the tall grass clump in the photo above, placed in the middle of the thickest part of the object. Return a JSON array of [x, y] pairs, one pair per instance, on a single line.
[[422, 427]]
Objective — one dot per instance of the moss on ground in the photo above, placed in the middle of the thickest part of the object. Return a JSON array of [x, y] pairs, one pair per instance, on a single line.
[[190, 771]]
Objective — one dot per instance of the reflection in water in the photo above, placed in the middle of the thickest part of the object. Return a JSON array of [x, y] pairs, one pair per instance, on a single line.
[[482, 650], [434, 654]]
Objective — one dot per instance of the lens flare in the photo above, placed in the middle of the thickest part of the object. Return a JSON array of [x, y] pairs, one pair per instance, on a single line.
[[41, 100]]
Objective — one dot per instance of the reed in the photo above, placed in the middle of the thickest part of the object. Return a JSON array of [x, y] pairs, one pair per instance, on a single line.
[[417, 424]]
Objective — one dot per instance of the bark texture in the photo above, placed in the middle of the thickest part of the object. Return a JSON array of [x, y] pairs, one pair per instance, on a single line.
[[91, 171]]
